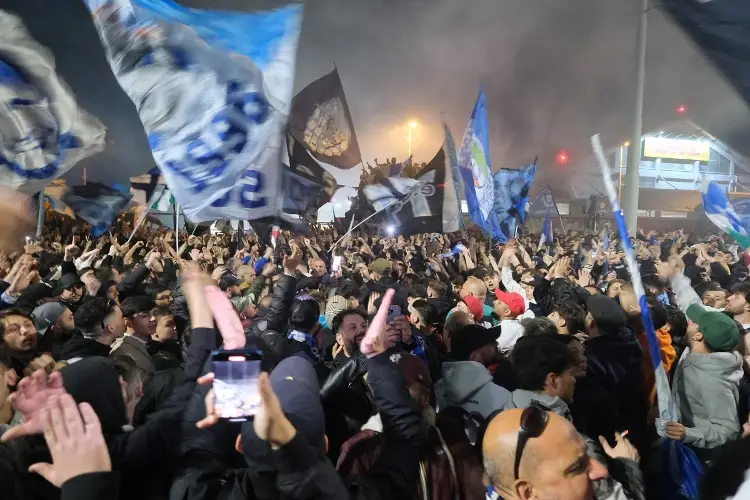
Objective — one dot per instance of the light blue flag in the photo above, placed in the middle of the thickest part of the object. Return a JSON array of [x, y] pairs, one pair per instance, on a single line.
[[43, 132], [213, 90], [721, 212], [511, 189], [549, 236], [475, 170]]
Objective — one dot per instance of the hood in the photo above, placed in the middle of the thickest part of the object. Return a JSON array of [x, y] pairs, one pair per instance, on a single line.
[[521, 398], [462, 379], [724, 365], [80, 347], [95, 381]]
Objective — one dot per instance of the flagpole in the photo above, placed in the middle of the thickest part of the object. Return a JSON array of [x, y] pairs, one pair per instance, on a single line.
[[40, 216], [177, 226], [363, 221], [138, 224], [559, 216]]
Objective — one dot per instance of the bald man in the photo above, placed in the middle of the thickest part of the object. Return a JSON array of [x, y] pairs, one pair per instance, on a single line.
[[554, 465], [476, 288]]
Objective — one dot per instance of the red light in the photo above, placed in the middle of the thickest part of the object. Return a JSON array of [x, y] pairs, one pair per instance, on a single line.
[[562, 158], [681, 109]]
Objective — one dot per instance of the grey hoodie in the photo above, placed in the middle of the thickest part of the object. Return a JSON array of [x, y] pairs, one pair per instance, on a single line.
[[521, 398], [706, 392], [469, 385]]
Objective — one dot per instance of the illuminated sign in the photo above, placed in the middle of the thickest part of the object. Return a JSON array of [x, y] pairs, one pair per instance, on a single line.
[[676, 149]]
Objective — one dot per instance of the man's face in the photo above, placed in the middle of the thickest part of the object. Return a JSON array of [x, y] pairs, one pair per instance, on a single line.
[[65, 322], [73, 293], [165, 328], [20, 333], [736, 304], [491, 282], [614, 290], [318, 268], [352, 330], [559, 322], [500, 309], [164, 299], [715, 298], [568, 474], [143, 324]]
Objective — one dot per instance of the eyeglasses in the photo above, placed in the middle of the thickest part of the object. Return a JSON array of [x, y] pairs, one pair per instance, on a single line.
[[533, 422]]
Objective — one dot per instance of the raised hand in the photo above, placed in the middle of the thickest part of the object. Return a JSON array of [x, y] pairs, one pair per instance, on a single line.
[[292, 261], [32, 395], [379, 336], [74, 439]]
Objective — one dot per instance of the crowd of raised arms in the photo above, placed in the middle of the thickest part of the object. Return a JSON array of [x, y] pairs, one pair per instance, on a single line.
[[428, 366]]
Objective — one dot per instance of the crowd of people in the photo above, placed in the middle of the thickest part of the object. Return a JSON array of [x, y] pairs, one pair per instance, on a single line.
[[427, 366]]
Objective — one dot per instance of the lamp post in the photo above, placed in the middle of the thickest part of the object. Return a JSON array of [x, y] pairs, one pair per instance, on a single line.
[[410, 127], [632, 176]]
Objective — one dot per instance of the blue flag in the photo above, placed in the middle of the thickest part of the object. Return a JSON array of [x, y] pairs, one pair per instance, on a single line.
[[97, 204], [721, 212], [475, 170], [511, 189], [43, 132], [213, 90]]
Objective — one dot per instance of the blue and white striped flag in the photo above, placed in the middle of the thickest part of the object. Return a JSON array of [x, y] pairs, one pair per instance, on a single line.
[[43, 132], [684, 472], [720, 211], [213, 90]]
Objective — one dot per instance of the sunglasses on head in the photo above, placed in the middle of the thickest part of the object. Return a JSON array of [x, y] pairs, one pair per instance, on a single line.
[[534, 420]]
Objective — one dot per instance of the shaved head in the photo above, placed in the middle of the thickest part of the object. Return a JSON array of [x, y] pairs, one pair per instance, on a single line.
[[553, 465], [476, 287]]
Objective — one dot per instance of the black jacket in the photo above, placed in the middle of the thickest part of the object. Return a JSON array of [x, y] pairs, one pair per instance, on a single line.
[[92, 486], [615, 363], [395, 472], [81, 347], [276, 317]]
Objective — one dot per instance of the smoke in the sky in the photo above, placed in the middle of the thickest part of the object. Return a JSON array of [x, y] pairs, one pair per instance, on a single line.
[[555, 73]]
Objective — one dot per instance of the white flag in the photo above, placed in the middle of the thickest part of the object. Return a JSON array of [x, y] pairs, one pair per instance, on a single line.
[[43, 132]]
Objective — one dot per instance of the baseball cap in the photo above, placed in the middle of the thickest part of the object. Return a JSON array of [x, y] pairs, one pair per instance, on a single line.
[[475, 307], [335, 305], [68, 280], [380, 266], [513, 300], [469, 338], [719, 331], [47, 315]]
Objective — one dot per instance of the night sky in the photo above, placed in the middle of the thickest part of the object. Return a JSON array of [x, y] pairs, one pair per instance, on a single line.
[[555, 73]]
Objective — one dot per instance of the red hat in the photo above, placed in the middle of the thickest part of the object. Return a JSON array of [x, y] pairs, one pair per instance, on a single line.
[[476, 307], [514, 301]]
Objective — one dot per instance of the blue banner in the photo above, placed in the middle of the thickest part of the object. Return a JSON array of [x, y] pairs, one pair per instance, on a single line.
[[213, 90], [475, 170], [97, 204], [43, 132]]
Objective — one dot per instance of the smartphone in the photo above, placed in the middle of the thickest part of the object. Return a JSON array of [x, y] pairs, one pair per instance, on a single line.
[[236, 375], [336, 264], [393, 312]]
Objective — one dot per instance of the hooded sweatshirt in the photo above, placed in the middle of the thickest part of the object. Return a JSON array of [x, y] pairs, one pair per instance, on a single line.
[[706, 392], [468, 385], [521, 398]]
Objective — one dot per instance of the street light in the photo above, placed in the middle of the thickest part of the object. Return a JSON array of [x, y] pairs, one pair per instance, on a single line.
[[410, 127]]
